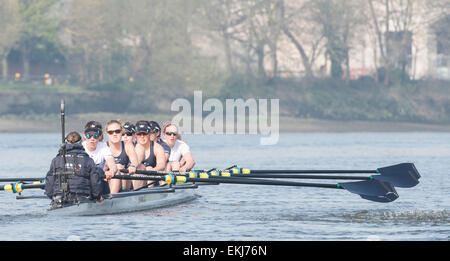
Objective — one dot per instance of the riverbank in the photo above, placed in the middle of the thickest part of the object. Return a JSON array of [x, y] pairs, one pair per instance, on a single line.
[[51, 123], [321, 105]]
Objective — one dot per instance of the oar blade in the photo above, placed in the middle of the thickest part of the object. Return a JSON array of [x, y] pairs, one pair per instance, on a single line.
[[374, 190], [404, 175]]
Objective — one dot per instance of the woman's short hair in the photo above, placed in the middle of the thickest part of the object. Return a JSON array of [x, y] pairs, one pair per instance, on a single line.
[[73, 137]]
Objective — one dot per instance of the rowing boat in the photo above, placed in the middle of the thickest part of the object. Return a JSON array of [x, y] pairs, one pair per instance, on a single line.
[[128, 201], [145, 199]]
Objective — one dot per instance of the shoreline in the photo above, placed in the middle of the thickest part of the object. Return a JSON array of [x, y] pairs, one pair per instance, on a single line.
[[51, 123]]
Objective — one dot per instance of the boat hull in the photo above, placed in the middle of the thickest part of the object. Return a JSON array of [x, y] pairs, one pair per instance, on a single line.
[[145, 199]]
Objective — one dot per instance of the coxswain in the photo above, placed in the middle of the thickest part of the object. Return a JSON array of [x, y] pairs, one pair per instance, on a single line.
[[84, 181]]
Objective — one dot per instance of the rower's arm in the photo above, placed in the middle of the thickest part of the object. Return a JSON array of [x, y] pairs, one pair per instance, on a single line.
[[187, 162], [112, 166], [160, 158], [132, 155], [140, 153]]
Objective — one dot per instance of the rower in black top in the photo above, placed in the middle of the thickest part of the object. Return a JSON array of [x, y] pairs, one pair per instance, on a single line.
[[122, 158], [156, 130], [151, 160], [150, 154], [124, 154]]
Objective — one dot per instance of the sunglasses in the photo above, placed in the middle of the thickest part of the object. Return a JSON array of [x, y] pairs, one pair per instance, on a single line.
[[171, 133], [129, 134], [111, 132], [141, 134], [92, 135]]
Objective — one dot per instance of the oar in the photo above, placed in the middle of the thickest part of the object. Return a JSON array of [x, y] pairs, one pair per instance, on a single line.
[[403, 175], [41, 180], [19, 187], [373, 190], [220, 173]]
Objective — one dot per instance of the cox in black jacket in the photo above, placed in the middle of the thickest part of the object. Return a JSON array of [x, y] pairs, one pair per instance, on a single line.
[[87, 179]]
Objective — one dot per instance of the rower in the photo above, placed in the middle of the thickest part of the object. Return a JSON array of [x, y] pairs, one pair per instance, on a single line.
[[129, 133], [99, 152], [155, 135], [150, 153], [83, 178], [124, 155], [181, 158]]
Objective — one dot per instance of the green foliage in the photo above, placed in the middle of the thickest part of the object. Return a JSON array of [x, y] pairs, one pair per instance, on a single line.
[[242, 86], [37, 21], [364, 82], [397, 76]]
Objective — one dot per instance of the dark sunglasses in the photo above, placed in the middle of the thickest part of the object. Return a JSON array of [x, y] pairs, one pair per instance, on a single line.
[[111, 132], [92, 135], [129, 134], [171, 133]]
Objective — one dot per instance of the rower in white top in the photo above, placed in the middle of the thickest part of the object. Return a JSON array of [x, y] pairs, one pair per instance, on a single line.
[[180, 158], [98, 151]]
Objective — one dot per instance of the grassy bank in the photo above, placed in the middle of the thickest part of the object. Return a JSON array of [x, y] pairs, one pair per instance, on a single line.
[[305, 105]]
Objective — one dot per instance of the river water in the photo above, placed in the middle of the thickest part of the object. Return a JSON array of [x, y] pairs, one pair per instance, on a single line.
[[251, 212]]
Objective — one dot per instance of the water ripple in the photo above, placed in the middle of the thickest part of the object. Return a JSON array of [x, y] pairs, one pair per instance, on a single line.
[[433, 217]]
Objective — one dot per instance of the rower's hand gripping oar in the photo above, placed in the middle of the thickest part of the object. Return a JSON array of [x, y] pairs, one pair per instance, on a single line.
[[374, 190], [404, 175]]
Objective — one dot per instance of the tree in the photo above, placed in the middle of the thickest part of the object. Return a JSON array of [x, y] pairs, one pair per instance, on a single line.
[[337, 21], [223, 17], [295, 23], [10, 27], [264, 27], [38, 26], [158, 35], [94, 29], [395, 22]]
